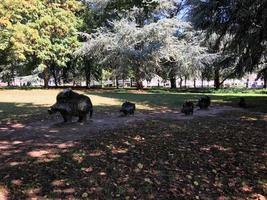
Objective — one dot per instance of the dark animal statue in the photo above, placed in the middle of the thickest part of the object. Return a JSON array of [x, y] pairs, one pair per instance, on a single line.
[[242, 103], [203, 102], [70, 103], [188, 108], [127, 108]]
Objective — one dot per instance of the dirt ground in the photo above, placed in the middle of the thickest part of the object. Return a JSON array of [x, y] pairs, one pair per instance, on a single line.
[[54, 129], [219, 153]]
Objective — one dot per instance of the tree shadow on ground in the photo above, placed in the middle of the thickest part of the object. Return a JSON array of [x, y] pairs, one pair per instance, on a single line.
[[12, 112], [27, 121], [210, 158]]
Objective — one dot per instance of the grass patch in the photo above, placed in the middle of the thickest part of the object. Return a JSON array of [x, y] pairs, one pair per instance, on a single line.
[[243, 91], [26, 104]]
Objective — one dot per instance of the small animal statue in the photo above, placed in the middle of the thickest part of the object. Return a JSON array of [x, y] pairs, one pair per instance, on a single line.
[[127, 108], [70, 103], [242, 103], [188, 108], [203, 102]]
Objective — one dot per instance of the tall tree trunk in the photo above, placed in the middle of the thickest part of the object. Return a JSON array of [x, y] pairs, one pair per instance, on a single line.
[[173, 82], [195, 83], [140, 20], [87, 69], [217, 83], [185, 82]]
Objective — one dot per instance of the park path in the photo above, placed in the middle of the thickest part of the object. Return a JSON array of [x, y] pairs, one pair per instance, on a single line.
[[53, 130]]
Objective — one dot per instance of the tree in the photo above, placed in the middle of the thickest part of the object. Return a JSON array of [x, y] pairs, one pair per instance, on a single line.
[[43, 31], [244, 21], [129, 47], [141, 13]]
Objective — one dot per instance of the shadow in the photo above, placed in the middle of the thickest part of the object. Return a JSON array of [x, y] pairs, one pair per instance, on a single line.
[[207, 158], [26, 121], [13, 112]]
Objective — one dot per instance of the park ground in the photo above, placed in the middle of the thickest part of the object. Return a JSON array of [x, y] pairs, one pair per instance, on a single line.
[[156, 154]]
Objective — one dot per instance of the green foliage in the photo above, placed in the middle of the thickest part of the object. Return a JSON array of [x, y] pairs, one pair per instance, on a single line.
[[44, 31], [243, 22]]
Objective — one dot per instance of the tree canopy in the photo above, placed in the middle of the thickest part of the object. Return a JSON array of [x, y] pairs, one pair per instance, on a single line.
[[41, 34], [244, 23]]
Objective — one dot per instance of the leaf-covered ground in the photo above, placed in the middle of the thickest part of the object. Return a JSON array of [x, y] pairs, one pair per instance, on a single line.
[[220, 157]]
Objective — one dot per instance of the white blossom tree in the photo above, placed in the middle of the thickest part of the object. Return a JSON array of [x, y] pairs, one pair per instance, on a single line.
[[167, 46]]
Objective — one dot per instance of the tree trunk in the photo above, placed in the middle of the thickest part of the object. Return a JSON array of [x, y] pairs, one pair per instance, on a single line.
[[46, 85], [87, 70], [88, 75], [217, 83], [195, 83], [265, 79], [265, 82], [172, 77], [64, 76], [46, 78], [55, 77], [181, 82], [131, 82], [117, 82], [173, 82], [139, 85], [88, 80], [185, 82]]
